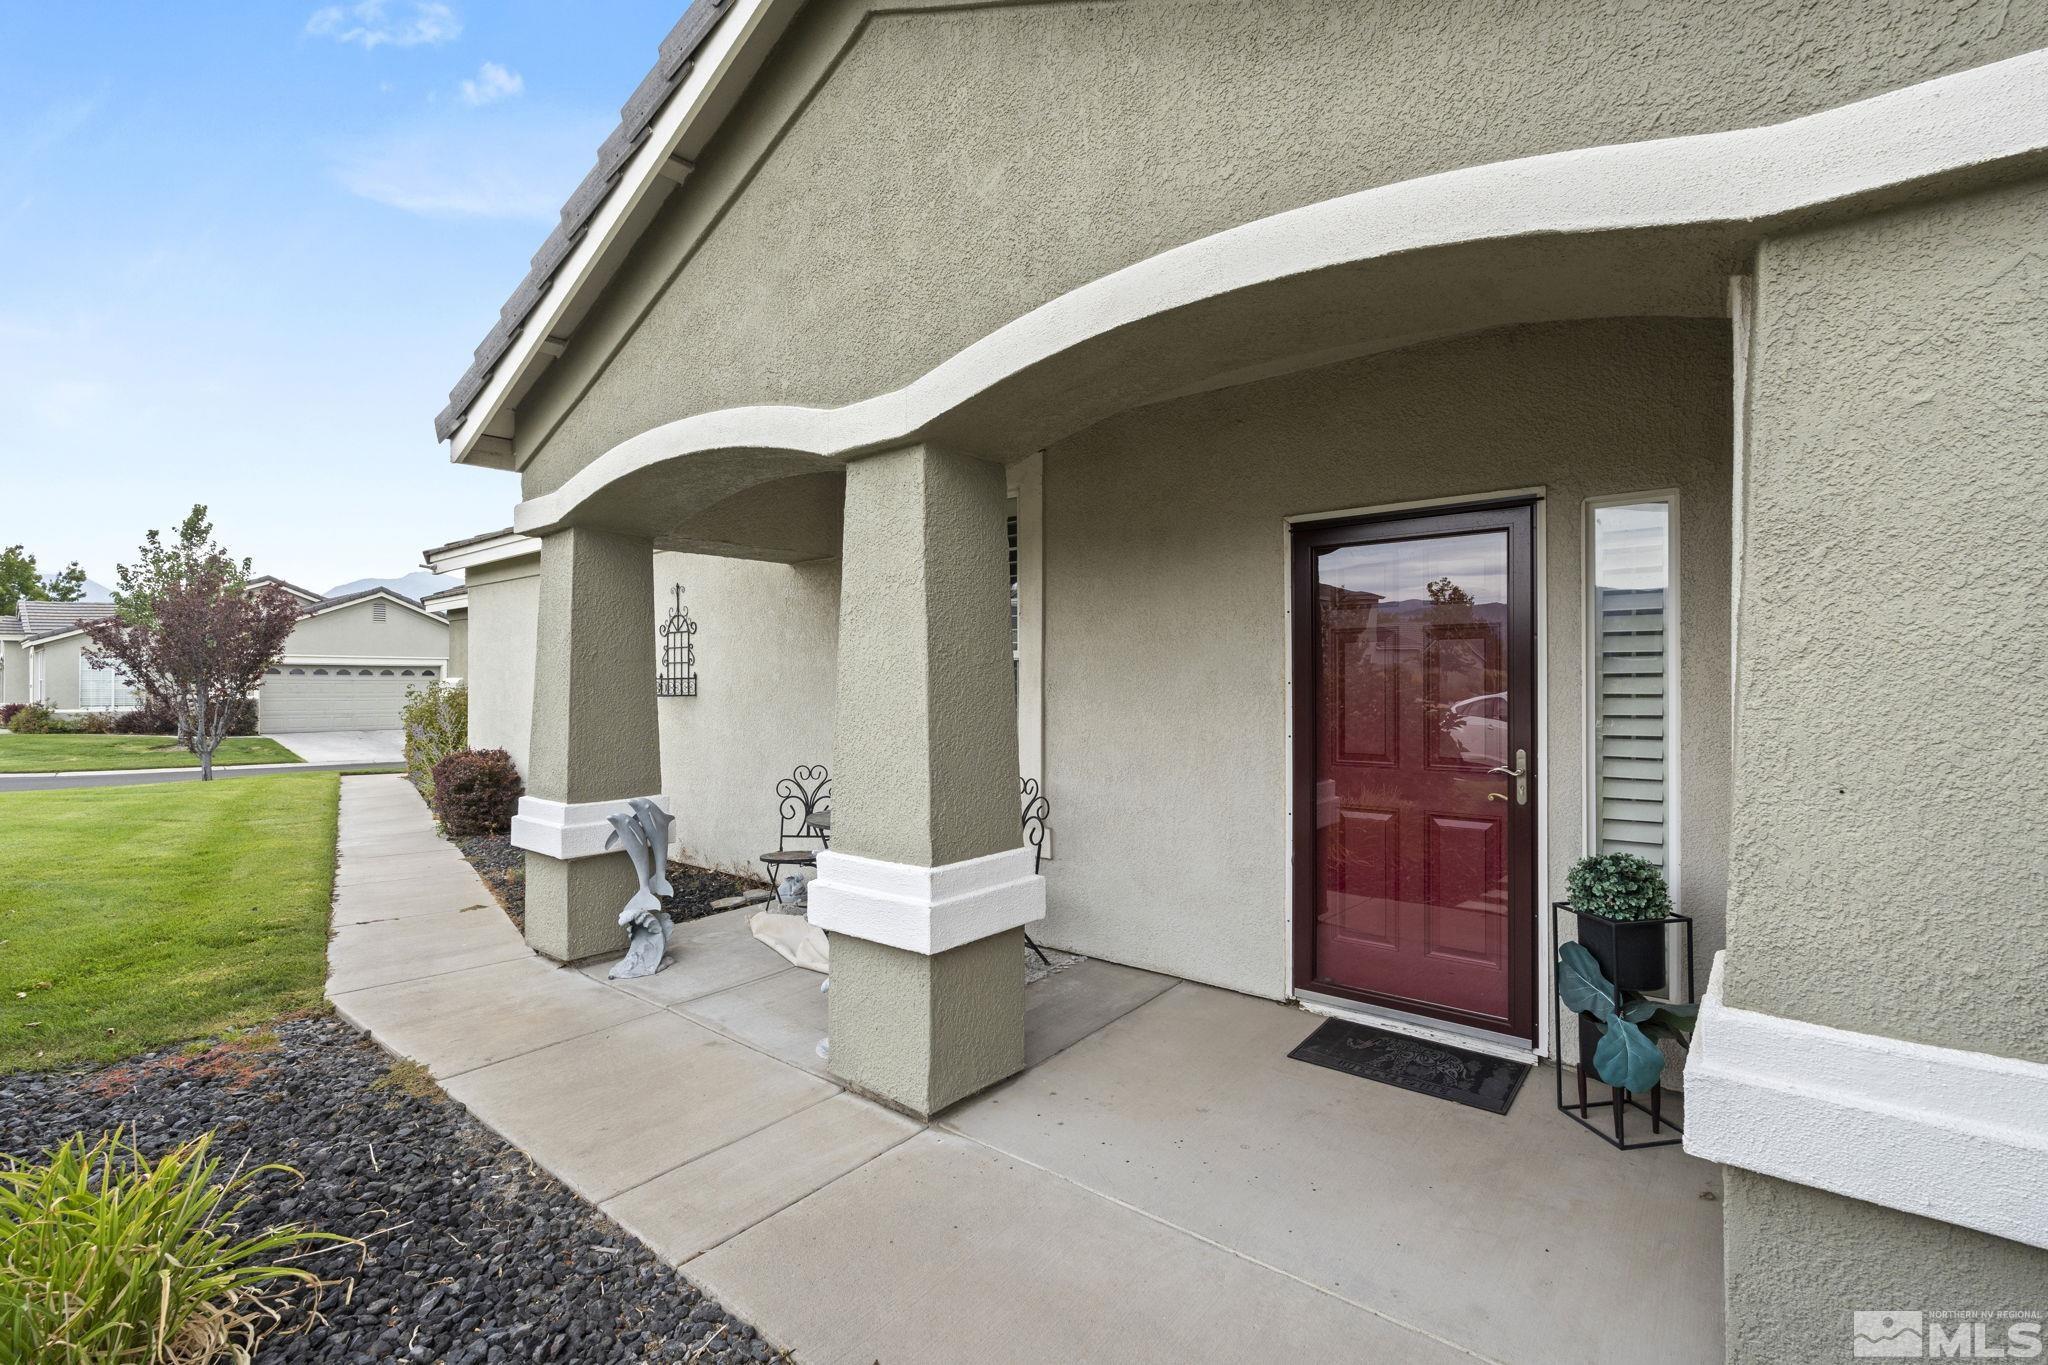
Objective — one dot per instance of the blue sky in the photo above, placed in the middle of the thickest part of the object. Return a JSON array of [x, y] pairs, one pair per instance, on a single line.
[[245, 250]]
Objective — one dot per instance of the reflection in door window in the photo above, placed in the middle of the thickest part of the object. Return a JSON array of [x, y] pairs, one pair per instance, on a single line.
[[1634, 627]]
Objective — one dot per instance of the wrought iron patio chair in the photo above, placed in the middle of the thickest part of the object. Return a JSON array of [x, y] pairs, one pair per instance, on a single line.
[[806, 825], [1036, 809]]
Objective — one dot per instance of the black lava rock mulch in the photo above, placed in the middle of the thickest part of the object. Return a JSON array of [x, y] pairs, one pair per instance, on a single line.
[[470, 1255], [503, 869]]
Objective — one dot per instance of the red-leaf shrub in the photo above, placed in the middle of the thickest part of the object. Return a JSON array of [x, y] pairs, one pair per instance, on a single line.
[[7, 712], [144, 720], [477, 791], [154, 718]]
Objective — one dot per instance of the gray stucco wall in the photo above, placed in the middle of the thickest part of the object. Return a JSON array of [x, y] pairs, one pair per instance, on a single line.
[[1801, 1261], [766, 658], [458, 644], [1165, 584], [59, 660], [1890, 849], [13, 672], [504, 607], [834, 244], [354, 632]]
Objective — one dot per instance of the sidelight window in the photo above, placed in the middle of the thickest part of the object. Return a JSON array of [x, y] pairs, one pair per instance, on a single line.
[[1632, 637]]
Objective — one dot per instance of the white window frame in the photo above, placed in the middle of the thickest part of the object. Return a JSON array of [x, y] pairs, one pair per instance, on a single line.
[[119, 696], [1589, 656]]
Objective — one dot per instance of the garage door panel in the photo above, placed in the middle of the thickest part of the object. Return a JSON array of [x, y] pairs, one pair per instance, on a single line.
[[309, 699]]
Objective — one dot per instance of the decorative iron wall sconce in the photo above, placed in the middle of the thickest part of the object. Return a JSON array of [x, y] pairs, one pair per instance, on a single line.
[[678, 676]]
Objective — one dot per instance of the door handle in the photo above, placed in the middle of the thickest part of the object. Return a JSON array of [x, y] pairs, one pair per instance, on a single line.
[[1520, 772]]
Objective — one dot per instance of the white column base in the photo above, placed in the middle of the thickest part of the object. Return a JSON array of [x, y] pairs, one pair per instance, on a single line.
[[568, 829], [1941, 1132], [926, 910]]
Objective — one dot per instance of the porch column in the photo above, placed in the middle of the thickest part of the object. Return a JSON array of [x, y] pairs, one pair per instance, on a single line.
[[594, 740], [927, 884]]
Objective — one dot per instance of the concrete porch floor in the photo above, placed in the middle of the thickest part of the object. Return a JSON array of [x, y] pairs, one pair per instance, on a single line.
[[1162, 1183]]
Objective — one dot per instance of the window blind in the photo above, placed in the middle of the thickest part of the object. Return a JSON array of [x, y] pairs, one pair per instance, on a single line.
[[1631, 741]]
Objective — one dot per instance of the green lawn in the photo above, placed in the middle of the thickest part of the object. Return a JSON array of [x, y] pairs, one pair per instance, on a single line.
[[95, 753], [131, 917]]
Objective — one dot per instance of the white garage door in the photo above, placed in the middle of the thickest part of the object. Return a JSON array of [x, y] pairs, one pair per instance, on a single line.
[[296, 698]]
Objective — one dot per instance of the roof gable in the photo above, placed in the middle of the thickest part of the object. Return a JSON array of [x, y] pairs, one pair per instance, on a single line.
[[272, 580], [329, 604]]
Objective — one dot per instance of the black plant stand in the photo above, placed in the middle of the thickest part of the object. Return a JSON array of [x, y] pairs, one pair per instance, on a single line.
[[1619, 1102]]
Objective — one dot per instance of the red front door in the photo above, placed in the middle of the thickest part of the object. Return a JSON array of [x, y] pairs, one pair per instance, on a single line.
[[1414, 753]]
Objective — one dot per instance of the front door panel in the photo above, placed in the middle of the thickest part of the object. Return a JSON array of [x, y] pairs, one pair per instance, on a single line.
[[1414, 687]]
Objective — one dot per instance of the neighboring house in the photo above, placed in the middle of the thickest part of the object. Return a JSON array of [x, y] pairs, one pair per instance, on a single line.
[[58, 674], [347, 665], [350, 662], [1630, 393]]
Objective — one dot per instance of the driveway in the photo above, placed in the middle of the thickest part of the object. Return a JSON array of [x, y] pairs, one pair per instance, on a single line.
[[344, 746]]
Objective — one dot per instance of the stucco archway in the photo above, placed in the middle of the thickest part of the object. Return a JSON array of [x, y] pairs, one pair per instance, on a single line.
[[1649, 228]]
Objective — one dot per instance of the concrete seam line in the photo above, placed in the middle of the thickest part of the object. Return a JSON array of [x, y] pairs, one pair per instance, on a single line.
[[751, 1132], [785, 1208], [1737, 178], [1149, 1216], [1940, 1132]]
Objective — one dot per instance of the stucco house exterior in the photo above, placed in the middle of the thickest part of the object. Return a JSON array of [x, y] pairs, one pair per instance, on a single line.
[[347, 665], [1438, 443], [13, 661]]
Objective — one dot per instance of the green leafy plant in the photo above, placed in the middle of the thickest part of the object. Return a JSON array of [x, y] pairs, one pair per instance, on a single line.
[[1618, 886], [436, 720], [1630, 1024], [110, 1258], [37, 719]]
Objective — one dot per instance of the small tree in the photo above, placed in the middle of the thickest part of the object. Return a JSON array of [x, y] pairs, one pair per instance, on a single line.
[[190, 633], [21, 580]]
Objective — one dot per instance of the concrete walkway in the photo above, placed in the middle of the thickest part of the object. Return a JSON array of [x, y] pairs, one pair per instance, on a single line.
[[1161, 1185]]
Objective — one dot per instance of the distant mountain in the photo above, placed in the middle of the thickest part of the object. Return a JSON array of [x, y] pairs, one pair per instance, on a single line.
[[415, 585], [96, 591]]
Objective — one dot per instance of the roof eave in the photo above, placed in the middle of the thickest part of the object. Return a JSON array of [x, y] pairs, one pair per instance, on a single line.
[[479, 427]]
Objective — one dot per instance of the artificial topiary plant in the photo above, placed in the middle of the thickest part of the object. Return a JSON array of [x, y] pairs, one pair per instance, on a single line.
[[1618, 886]]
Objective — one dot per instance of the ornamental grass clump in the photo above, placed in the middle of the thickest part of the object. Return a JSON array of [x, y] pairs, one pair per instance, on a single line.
[[110, 1258], [1618, 886]]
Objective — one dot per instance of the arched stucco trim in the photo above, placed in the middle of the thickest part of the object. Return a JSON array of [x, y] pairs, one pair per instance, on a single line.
[[1635, 228]]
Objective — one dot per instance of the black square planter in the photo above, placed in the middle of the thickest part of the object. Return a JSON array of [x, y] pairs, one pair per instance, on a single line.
[[1630, 952]]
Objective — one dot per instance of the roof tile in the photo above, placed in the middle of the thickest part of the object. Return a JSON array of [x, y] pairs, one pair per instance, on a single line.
[[670, 69]]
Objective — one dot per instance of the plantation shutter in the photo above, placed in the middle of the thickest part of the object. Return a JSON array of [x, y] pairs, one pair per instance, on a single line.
[[1630, 743]]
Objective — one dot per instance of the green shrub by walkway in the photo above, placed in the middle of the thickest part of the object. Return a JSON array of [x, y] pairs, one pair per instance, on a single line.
[[136, 916]]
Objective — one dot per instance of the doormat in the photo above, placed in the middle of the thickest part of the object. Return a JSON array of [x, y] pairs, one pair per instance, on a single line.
[[1449, 1073]]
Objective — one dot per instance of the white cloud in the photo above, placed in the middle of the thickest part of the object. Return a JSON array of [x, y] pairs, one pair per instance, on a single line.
[[492, 83], [371, 23], [521, 163]]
